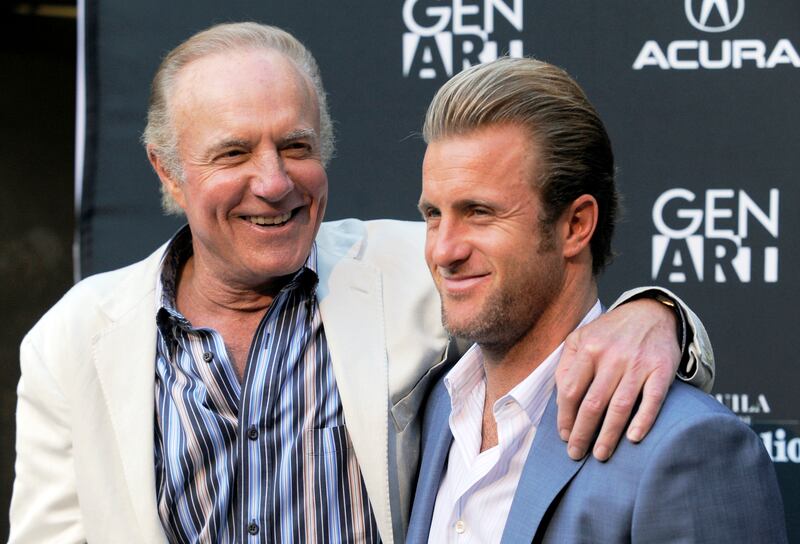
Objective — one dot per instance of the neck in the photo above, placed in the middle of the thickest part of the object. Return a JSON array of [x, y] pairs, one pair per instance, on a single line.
[[507, 366], [201, 292]]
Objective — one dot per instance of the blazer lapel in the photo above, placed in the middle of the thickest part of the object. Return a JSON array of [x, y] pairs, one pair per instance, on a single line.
[[124, 359], [437, 440], [547, 470], [351, 307]]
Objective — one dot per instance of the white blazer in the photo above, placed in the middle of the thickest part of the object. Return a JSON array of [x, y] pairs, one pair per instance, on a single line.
[[85, 418], [85, 414]]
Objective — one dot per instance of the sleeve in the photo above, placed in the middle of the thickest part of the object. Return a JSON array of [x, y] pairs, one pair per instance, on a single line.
[[44, 504], [709, 481], [697, 366]]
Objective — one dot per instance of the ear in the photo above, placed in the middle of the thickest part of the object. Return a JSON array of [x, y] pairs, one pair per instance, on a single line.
[[170, 184], [580, 220]]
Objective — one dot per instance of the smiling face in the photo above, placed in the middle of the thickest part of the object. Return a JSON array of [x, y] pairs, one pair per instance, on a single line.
[[496, 268], [254, 188]]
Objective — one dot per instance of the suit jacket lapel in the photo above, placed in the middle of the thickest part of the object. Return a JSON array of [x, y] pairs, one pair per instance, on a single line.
[[351, 307], [547, 470], [437, 440], [124, 359]]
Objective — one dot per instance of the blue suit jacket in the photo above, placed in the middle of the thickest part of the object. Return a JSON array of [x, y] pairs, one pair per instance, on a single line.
[[701, 475]]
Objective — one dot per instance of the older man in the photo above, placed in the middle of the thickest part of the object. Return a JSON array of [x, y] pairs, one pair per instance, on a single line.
[[519, 199], [258, 377]]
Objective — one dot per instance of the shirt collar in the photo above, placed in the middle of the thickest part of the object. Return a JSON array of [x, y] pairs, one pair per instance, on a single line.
[[465, 377], [531, 394]]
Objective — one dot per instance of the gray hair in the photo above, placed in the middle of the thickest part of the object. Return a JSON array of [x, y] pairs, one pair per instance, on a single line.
[[159, 132], [543, 99]]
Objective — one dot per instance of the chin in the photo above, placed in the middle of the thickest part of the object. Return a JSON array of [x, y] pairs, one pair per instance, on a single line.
[[459, 324], [281, 260]]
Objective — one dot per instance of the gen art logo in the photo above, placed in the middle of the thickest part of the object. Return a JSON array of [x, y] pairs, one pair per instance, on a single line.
[[445, 37], [716, 17], [724, 235]]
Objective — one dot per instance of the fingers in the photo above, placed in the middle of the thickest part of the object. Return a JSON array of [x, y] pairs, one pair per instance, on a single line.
[[618, 414], [574, 374], [653, 395], [590, 413], [653, 386]]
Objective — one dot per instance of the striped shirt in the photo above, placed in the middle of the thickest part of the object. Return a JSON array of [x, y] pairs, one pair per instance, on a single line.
[[477, 490], [265, 460]]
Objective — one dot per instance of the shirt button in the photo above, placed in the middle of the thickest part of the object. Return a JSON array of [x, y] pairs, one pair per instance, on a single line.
[[252, 528], [208, 356], [252, 432], [461, 527]]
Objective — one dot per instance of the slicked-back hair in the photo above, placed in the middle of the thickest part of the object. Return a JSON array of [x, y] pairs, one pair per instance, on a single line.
[[549, 105], [224, 38]]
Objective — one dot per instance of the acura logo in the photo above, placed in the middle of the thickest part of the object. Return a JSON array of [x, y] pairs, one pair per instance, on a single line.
[[714, 15]]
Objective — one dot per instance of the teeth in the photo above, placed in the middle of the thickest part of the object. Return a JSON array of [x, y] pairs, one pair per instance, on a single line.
[[261, 220]]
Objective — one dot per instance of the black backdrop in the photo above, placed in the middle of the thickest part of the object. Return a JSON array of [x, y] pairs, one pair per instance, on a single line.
[[699, 96]]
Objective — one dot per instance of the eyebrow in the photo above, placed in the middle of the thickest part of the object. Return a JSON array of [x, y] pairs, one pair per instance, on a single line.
[[299, 134], [458, 204], [423, 204], [470, 202]]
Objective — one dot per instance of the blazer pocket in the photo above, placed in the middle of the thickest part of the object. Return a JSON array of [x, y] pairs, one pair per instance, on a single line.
[[326, 441]]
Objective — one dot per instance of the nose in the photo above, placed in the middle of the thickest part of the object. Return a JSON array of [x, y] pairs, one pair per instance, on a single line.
[[270, 179], [446, 244]]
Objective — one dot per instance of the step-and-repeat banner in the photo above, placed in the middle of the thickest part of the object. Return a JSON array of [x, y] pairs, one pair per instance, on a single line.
[[700, 98]]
